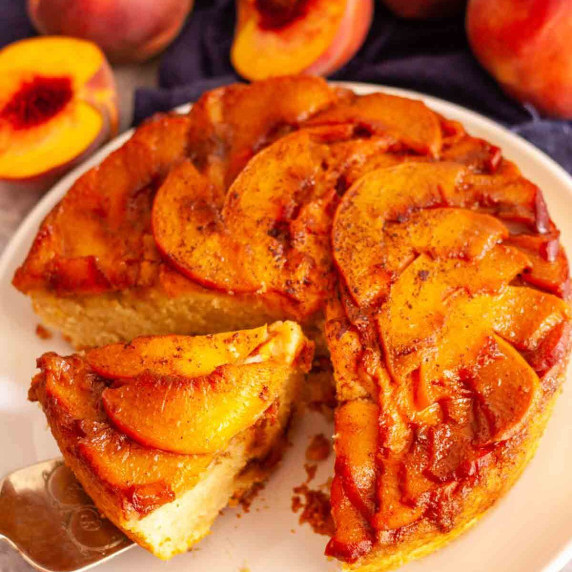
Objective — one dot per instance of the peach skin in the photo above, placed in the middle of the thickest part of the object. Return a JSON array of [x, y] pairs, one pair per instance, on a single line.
[[298, 36], [126, 30], [526, 46]]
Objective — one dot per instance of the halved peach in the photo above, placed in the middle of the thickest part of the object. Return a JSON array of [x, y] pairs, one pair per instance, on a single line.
[[277, 37], [54, 109]]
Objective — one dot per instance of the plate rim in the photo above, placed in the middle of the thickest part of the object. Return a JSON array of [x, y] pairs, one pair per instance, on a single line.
[[36, 215]]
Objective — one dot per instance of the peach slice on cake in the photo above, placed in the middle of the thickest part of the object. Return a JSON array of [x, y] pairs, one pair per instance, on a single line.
[[54, 109], [435, 334], [163, 451], [272, 233], [410, 122]]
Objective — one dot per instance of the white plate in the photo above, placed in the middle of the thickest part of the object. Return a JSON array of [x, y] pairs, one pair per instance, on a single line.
[[529, 531]]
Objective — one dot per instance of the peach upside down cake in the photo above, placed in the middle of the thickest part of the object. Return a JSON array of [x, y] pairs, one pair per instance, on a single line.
[[416, 256]]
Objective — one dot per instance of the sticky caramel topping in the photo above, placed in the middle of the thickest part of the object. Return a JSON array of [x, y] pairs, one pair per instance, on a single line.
[[440, 361]]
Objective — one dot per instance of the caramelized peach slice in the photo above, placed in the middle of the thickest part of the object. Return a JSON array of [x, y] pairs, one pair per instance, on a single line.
[[200, 413], [507, 387], [524, 316], [175, 355], [359, 242], [190, 233], [54, 110], [194, 415], [121, 464], [393, 513], [510, 196], [277, 37], [420, 305], [274, 226], [147, 478], [549, 270], [408, 121], [109, 207], [231, 124], [357, 427], [353, 536]]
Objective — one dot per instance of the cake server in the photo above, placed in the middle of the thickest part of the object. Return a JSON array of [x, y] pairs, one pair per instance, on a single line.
[[49, 519]]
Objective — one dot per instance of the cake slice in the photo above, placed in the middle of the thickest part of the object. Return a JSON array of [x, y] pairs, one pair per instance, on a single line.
[[448, 356], [165, 431]]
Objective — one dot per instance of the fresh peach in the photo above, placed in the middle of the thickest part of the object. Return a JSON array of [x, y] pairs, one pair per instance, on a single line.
[[126, 30], [424, 9], [54, 109], [277, 37], [526, 45]]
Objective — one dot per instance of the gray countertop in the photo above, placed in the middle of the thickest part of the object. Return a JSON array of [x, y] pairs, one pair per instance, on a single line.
[[15, 205]]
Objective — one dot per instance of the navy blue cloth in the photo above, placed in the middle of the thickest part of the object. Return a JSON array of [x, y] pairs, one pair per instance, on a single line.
[[430, 57], [14, 22]]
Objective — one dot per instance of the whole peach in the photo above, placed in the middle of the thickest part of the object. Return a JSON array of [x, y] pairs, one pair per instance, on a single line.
[[126, 30], [527, 46]]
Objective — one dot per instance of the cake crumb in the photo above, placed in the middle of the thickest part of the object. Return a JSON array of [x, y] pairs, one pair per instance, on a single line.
[[248, 498], [43, 333], [319, 448], [310, 471], [316, 509]]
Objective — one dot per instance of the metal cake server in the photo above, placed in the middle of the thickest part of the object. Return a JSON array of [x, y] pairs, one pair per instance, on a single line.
[[49, 519]]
